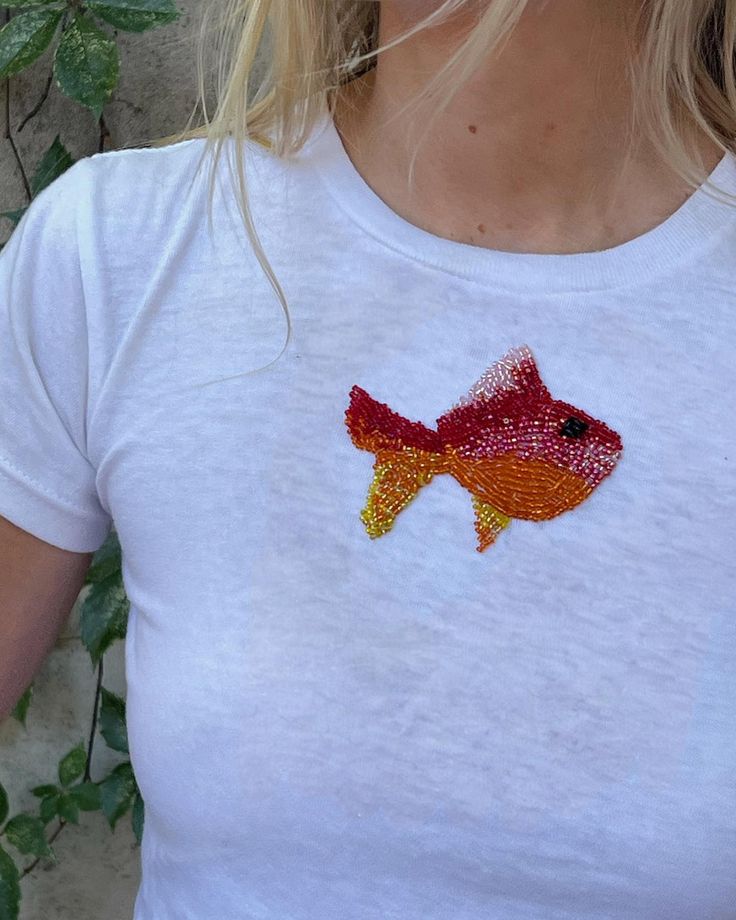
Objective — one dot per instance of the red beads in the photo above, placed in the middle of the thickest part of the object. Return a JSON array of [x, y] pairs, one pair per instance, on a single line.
[[519, 452]]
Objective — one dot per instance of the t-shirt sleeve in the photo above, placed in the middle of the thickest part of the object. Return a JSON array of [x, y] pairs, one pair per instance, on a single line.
[[47, 483]]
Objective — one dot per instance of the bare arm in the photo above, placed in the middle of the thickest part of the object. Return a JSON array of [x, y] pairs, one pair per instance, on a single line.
[[39, 584]]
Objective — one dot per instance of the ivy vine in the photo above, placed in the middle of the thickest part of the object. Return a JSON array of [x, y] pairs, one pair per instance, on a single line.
[[85, 66]]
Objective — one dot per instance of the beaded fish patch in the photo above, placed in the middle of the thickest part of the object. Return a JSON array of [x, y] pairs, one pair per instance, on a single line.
[[519, 452]]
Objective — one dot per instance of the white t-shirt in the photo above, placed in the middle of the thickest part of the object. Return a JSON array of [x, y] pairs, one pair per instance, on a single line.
[[339, 707]]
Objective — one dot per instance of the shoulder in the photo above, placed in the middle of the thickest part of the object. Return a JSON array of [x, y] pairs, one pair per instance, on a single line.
[[163, 165], [166, 168], [135, 193], [114, 192], [123, 208], [134, 182]]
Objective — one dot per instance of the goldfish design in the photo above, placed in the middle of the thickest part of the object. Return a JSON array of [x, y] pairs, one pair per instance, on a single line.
[[519, 452]]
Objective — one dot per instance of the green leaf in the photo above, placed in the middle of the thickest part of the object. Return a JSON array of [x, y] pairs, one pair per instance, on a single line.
[[157, 7], [86, 63], [72, 764], [135, 15], [4, 807], [106, 561], [28, 835], [103, 616], [42, 791], [112, 721], [48, 808], [138, 817], [56, 4], [15, 215], [117, 792], [54, 162], [86, 795], [9, 887], [68, 809], [21, 707], [25, 38]]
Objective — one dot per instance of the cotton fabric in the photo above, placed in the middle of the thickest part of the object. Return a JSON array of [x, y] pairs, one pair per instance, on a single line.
[[325, 725]]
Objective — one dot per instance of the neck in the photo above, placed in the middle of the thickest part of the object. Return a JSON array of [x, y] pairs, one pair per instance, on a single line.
[[532, 154]]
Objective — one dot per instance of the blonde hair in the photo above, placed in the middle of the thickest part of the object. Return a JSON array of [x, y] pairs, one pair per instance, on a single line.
[[683, 74]]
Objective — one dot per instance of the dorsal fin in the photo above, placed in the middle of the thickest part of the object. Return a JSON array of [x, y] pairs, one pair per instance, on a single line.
[[516, 370]]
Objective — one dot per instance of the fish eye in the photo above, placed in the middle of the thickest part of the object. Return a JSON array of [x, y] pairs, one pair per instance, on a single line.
[[573, 427]]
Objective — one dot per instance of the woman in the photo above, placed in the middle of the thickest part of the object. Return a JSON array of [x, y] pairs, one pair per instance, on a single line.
[[430, 559]]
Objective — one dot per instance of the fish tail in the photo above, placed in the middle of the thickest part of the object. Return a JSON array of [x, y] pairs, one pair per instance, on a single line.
[[397, 477], [408, 455]]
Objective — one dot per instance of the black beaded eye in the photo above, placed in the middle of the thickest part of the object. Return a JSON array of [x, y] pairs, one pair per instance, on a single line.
[[574, 427]]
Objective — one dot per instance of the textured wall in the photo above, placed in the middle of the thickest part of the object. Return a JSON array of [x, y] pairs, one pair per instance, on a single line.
[[98, 871], [154, 97]]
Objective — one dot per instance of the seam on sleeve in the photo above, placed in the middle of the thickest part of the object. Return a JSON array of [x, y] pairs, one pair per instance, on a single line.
[[44, 489]]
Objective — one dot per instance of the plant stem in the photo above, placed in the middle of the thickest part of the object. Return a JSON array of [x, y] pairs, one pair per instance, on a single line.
[[37, 107], [9, 133], [96, 706]]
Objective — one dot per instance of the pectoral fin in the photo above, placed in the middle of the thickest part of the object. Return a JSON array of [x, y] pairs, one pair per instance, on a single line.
[[489, 522]]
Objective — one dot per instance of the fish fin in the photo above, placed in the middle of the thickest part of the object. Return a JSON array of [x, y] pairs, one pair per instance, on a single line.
[[397, 477], [489, 522], [515, 371], [374, 426]]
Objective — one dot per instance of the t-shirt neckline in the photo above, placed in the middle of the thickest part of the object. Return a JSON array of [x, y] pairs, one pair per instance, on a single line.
[[689, 230]]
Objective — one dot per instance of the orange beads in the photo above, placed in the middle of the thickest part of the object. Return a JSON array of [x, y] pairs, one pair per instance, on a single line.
[[519, 452]]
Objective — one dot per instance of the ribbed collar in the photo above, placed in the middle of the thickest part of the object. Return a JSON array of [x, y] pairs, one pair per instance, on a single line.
[[690, 230]]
